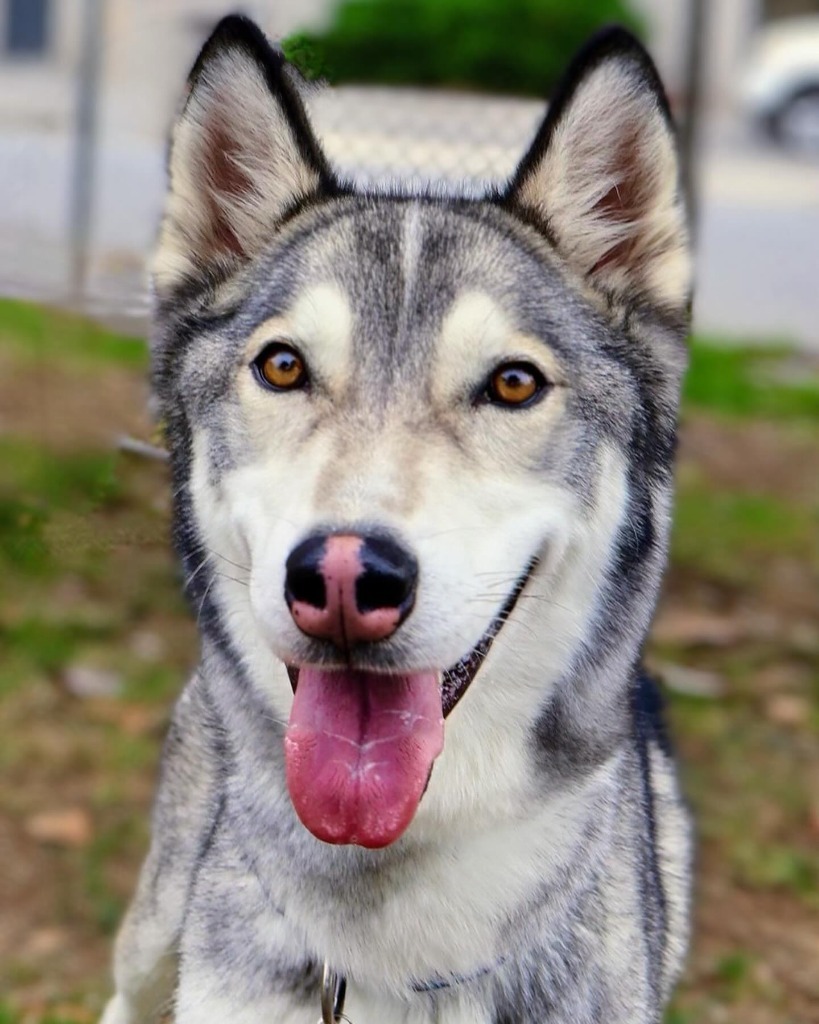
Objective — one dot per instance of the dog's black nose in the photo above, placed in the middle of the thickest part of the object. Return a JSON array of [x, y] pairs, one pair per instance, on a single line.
[[349, 588]]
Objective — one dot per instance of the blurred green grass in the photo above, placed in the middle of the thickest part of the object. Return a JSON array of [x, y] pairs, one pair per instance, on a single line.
[[731, 537], [765, 381], [32, 332], [10, 1016]]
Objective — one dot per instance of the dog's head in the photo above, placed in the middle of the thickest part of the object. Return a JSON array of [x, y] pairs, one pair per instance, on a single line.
[[418, 439]]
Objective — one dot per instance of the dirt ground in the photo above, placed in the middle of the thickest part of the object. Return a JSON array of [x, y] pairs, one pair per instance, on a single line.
[[97, 641]]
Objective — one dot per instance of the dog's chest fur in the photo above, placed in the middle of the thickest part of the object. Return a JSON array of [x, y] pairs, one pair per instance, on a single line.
[[463, 927]]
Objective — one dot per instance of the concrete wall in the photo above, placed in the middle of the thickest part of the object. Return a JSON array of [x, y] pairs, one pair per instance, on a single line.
[[36, 92], [153, 44], [149, 46]]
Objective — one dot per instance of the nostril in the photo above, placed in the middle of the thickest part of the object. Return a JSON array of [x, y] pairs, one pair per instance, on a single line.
[[389, 577], [303, 577], [306, 585], [381, 590]]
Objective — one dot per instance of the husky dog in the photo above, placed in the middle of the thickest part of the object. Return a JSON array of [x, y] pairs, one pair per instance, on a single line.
[[422, 454]]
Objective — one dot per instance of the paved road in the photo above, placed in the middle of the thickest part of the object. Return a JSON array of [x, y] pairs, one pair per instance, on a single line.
[[758, 273], [758, 247]]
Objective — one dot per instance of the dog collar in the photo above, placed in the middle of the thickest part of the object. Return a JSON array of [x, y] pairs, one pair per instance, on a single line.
[[439, 982], [334, 989]]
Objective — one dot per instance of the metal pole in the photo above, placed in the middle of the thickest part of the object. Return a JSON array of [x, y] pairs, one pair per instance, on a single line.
[[85, 142], [690, 127]]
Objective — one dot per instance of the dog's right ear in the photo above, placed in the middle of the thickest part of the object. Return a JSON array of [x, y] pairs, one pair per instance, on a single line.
[[242, 156]]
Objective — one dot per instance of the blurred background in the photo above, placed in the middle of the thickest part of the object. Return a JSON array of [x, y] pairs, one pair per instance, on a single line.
[[94, 637]]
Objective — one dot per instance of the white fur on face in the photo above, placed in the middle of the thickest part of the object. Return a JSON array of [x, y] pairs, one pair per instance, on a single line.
[[473, 521], [320, 326], [486, 846], [478, 333], [486, 763]]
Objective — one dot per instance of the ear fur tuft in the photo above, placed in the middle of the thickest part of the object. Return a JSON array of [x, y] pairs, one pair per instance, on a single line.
[[602, 179], [242, 156]]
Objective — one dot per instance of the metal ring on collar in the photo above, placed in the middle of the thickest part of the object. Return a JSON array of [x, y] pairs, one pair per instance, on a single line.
[[333, 990]]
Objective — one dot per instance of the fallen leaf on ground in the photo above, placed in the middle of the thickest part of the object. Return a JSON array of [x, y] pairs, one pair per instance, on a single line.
[[45, 942], [87, 681], [132, 719], [69, 827], [782, 676], [787, 709], [694, 628]]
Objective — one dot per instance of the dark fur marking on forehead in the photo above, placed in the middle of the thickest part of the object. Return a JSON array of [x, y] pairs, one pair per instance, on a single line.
[[477, 210]]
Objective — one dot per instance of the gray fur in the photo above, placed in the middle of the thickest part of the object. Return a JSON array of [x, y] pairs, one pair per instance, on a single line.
[[238, 904]]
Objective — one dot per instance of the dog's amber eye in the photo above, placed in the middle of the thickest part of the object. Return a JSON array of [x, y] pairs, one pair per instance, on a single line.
[[515, 384], [281, 367]]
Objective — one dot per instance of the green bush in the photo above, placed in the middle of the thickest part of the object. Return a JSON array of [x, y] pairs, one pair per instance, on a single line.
[[506, 46]]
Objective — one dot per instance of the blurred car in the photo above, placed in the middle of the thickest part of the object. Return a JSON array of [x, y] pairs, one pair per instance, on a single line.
[[780, 87]]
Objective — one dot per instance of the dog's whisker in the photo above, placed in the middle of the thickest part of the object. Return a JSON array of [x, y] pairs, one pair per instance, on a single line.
[[195, 572], [236, 565], [203, 600], [227, 576], [502, 618], [451, 529]]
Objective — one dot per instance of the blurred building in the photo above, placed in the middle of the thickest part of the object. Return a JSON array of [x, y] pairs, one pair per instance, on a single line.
[[729, 25], [729, 28], [149, 43]]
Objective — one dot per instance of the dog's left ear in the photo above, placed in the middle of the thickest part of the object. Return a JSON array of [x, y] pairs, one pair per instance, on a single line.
[[602, 178], [242, 157]]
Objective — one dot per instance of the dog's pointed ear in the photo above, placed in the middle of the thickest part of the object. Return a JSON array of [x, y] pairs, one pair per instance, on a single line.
[[242, 156], [602, 177]]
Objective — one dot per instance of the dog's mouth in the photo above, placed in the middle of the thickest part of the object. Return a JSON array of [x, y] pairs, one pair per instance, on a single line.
[[360, 745]]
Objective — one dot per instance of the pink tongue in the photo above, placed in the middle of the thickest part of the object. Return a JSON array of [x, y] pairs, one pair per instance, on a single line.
[[359, 748]]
